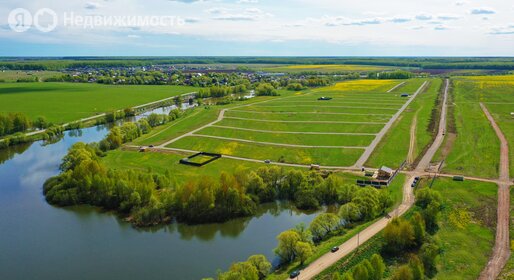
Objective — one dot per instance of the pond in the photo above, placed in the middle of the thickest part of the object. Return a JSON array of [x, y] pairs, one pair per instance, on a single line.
[[39, 241]]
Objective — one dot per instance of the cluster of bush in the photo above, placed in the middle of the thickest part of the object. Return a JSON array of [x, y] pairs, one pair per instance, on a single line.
[[220, 91], [372, 269], [391, 75], [357, 205], [14, 122], [147, 200], [413, 238], [257, 267]]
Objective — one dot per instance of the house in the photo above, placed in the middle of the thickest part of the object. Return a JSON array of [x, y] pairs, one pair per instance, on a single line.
[[385, 173]]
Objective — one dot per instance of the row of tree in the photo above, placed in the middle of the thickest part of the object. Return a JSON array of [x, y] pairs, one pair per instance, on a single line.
[[372, 269], [391, 75], [257, 267]]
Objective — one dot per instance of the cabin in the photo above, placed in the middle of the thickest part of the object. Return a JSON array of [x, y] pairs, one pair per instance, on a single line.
[[384, 173]]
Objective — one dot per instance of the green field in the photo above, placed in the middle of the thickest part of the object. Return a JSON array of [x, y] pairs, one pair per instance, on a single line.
[[394, 147], [332, 132], [466, 244], [476, 150], [326, 68], [65, 102]]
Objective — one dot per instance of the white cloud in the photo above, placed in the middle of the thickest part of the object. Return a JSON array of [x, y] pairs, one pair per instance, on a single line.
[[424, 17], [482, 11]]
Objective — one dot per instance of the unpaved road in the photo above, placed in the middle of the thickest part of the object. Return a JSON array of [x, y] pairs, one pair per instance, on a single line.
[[408, 200], [438, 141], [369, 150], [412, 143], [501, 250], [395, 87], [353, 243]]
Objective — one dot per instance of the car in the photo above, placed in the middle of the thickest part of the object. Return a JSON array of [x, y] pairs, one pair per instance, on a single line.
[[294, 274], [416, 178], [151, 146], [267, 161], [334, 249]]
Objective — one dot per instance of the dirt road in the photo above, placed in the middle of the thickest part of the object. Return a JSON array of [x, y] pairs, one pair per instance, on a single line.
[[367, 153], [412, 143], [501, 250]]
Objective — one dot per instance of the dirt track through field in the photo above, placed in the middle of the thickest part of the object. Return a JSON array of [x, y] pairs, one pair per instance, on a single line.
[[501, 250], [369, 150], [412, 144], [294, 132]]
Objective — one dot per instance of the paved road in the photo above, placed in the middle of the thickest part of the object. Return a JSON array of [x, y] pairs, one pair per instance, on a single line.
[[501, 250], [397, 86], [294, 132], [369, 150]]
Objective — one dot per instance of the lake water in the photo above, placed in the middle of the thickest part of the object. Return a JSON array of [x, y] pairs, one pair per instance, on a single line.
[[39, 241]]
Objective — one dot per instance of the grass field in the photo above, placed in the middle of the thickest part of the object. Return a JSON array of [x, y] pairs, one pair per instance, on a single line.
[[508, 270], [394, 147], [325, 68], [13, 76], [64, 102], [476, 149], [466, 243], [301, 129]]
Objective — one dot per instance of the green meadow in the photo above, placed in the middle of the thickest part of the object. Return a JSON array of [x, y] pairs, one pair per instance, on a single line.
[[287, 138], [65, 102], [394, 147], [467, 226], [476, 149], [323, 156]]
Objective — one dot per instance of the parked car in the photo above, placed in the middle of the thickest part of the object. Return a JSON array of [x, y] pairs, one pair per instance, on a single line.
[[334, 249], [267, 161], [294, 274]]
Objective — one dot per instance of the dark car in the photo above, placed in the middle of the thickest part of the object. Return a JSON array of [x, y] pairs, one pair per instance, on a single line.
[[334, 249], [151, 146], [294, 274]]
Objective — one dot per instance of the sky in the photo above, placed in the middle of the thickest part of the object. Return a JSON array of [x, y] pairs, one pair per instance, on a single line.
[[257, 28]]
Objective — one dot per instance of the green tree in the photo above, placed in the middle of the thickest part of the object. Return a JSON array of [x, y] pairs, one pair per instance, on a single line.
[[303, 251], [286, 245], [347, 276], [398, 235], [429, 254], [431, 216], [404, 272], [262, 265], [323, 224], [416, 267], [418, 224], [240, 270], [349, 213], [360, 272], [378, 267]]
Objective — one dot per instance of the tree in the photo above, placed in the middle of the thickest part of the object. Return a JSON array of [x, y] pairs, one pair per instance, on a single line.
[[41, 123], [262, 265], [416, 267], [378, 267], [240, 270], [349, 213], [336, 276], [404, 272], [429, 254], [426, 196], [431, 216], [323, 224], [398, 235], [265, 89], [418, 224], [303, 251], [346, 193], [368, 202], [286, 245], [347, 276], [369, 268], [360, 272], [304, 232]]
